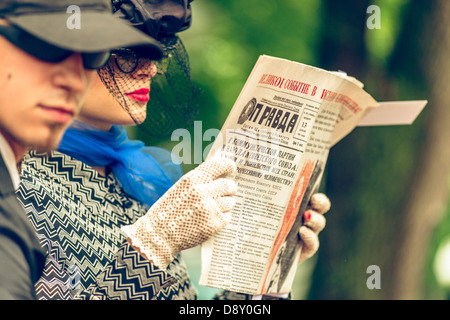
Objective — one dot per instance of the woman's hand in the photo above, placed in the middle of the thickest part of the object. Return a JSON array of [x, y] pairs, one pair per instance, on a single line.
[[314, 223], [188, 214]]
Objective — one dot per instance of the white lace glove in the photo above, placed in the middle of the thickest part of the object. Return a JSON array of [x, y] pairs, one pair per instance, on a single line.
[[314, 223], [189, 213]]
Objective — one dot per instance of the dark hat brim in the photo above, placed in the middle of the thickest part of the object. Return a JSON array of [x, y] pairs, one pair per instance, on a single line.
[[98, 32]]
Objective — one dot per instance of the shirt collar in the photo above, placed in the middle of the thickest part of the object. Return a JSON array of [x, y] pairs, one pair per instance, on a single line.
[[10, 161]]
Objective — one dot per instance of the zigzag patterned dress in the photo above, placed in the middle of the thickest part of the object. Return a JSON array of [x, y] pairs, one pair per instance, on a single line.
[[78, 215]]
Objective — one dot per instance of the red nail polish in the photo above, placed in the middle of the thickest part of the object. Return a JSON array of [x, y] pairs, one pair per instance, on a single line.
[[307, 216]]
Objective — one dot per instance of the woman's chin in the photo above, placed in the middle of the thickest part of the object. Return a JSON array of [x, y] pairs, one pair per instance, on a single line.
[[134, 120]]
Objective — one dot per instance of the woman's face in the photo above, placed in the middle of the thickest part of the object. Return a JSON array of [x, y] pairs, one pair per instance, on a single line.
[[123, 100]]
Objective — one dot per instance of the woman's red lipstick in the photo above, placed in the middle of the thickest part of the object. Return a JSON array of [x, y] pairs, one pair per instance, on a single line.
[[141, 95]]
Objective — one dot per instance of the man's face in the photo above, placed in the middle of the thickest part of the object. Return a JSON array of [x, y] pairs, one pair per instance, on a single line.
[[38, 100]]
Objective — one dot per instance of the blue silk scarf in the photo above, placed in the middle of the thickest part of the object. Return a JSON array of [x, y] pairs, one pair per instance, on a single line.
[[145, 173]]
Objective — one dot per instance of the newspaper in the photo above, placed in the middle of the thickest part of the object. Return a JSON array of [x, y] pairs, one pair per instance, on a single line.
[[279, 132]]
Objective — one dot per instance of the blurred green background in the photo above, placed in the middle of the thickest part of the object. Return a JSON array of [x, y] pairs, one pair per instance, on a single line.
[[388, 185]]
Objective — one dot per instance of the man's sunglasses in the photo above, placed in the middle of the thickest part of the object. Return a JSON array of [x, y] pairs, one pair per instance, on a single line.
[[47, 52]]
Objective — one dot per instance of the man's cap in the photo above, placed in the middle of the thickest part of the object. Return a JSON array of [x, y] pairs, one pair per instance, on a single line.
[[56, 22]]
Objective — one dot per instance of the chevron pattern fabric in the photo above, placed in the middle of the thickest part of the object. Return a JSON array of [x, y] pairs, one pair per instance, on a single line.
[[78, 214]]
